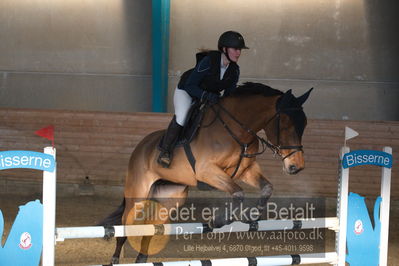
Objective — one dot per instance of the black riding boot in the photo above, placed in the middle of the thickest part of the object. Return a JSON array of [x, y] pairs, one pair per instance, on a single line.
[[168, 143]]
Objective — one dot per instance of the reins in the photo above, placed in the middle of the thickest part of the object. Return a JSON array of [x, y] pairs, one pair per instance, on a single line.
[[264, 142]]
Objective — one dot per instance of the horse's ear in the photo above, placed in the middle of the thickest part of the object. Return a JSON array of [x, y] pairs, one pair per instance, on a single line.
[[304, 97], [285, 99]]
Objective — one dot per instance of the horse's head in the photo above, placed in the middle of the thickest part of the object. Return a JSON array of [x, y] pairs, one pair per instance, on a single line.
[[285, 128]]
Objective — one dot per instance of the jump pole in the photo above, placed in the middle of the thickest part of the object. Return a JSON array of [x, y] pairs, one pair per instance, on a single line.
[[311, 258], [63, 233]]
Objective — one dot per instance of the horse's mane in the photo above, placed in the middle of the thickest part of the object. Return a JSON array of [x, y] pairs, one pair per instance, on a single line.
[[287, 104], [252, 88]]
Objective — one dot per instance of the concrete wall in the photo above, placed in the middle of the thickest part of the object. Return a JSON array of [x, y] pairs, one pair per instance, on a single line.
[[96, 54], [85, 55], [347, 50]]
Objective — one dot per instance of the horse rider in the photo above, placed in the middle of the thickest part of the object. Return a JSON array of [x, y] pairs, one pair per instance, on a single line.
[[215, 75]]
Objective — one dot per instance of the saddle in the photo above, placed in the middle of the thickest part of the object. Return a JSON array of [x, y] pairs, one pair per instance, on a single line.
[[190, 129], [193, 123]]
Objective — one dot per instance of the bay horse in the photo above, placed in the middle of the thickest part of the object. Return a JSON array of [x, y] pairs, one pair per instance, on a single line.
[[225, 150]]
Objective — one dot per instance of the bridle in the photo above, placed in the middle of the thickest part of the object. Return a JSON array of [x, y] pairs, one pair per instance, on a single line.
[[276, 149]]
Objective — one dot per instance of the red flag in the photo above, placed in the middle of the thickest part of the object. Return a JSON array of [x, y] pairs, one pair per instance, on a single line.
[[46, 132]]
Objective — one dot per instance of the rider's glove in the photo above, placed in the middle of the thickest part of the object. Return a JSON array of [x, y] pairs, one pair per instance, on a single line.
[[212, 98]]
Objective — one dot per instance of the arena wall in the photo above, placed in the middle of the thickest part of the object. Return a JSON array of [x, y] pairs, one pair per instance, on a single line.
[[93, 149]]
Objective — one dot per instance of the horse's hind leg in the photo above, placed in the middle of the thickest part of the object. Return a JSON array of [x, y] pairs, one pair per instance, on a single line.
[[119, 243], [134, 193], [145, 245], [168, 195]]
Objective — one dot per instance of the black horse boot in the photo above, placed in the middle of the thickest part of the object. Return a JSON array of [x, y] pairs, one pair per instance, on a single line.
[[168, 143]]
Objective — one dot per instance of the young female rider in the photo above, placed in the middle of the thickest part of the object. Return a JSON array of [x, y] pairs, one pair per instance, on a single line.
[[215, 74]]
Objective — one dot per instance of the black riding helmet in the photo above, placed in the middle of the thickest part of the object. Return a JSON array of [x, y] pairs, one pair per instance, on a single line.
[[231, 39]]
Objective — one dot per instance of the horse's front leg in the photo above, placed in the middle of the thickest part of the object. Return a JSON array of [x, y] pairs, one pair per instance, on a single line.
[[214, 176], [253, 177]]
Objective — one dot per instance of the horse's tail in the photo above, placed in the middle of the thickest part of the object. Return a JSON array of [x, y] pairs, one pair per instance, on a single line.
[[115, 218]]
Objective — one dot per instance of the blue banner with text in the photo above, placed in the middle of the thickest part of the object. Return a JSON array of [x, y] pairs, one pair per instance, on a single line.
[[27, 159], [367, 157]]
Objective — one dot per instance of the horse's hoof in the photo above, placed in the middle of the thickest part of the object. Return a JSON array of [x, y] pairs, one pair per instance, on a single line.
[[141, 258], [219, 221], [114, 260]]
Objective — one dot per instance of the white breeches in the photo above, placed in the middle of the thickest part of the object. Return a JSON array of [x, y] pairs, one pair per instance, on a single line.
[[182, 102]]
